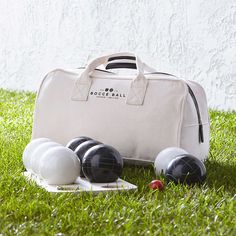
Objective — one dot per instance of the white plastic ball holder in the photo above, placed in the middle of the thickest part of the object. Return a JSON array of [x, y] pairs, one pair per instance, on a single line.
[[59, 165], [165, 157], [30, 148], [38, 154]]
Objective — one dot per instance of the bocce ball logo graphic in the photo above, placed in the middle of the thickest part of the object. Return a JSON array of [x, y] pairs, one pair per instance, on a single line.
[[110, 93], [109, 90]]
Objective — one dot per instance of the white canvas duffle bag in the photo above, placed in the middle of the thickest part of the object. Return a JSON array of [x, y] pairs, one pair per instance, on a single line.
[[139, 114]]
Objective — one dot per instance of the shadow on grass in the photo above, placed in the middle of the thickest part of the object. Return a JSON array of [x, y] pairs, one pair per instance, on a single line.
[[138, 175], [221, 175]]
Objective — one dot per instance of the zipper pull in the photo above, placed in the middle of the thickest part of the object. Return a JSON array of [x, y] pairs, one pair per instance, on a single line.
[[201, 137]]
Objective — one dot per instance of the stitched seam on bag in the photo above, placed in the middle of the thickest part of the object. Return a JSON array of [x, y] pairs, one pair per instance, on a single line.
[[184, 102]]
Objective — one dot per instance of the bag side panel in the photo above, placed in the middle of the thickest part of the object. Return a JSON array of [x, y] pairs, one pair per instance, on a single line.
[[190, 128]]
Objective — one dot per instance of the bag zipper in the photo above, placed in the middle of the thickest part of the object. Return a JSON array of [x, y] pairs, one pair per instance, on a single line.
[[83, 67], [200, 126]]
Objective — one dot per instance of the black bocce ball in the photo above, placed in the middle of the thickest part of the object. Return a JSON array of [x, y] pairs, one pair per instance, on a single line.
[[75, 142], [102, 164], [187, 169], [82, 149]]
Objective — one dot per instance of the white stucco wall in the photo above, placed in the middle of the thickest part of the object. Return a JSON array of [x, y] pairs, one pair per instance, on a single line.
[[195, 39]]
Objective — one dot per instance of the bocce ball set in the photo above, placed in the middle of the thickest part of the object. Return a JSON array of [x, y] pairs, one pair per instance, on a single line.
[[142, 117], [100, 163]]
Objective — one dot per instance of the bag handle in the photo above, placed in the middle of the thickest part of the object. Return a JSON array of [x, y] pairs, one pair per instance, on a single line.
[[137, 88], [121, 65], [125, 62], [123, 57]]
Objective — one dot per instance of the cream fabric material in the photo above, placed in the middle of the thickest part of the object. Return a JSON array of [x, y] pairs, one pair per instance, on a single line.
[[139, 116]]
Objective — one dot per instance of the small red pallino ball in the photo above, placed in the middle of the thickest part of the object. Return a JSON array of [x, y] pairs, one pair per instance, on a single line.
[[156, 184]]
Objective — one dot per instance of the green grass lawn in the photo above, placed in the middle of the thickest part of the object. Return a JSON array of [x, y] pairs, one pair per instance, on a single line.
[[179, 210]]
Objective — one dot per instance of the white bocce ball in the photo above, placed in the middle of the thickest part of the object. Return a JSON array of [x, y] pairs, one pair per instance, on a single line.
[[165, 157], [38, 154], [59, 165], [30, 148]]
